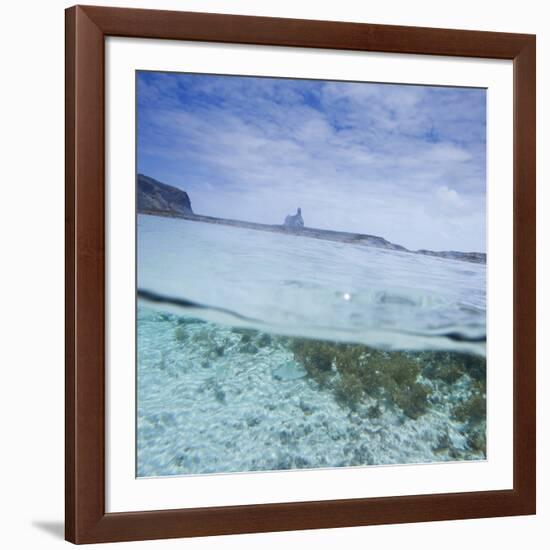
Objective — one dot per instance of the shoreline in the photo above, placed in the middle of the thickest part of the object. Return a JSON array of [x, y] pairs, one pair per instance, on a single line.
[[322, 234]]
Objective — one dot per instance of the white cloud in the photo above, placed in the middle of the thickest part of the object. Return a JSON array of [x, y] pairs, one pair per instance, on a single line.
[[404, 162], [449, 197]]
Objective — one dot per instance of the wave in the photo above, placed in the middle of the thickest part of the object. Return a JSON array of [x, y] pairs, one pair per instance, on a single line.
[[465, 339]]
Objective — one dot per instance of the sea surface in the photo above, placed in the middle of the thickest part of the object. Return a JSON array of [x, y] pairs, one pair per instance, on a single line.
[[267, 351]]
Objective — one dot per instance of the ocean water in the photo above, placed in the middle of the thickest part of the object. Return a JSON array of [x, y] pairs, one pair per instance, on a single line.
[[267, 351]]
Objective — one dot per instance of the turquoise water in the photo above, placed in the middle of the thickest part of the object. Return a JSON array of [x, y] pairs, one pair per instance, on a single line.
[[275, 352]]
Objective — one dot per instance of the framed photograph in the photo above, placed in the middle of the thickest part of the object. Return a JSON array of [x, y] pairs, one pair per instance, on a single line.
[[300, 274]]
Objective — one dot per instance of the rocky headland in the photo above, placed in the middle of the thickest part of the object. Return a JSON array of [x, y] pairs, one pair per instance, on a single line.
[[159, 198]]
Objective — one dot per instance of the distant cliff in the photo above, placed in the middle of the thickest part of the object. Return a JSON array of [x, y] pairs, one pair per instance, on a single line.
[[154, 197], [474, 257], [159, 199]]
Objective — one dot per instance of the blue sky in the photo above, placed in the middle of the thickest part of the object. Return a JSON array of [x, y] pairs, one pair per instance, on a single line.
[[403, 162]]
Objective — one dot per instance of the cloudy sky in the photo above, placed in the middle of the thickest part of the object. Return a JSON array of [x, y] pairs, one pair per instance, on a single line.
[[403, 162]]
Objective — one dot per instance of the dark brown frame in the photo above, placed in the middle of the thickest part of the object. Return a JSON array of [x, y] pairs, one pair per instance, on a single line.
[[86, 29]]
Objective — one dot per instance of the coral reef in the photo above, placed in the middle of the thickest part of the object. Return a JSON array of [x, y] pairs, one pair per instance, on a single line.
[[449, 367], [471, 408], [358, 374], [215, 398], [353, 371]]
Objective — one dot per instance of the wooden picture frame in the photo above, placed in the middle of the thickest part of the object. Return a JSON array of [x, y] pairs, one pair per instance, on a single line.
[[86, 30]]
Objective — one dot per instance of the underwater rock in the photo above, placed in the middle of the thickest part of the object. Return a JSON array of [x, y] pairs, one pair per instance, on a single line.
[[374, 412], [252, 420], [477, 439], [248, 347], [180, 334], [443, 443], [219, 394], [291, 370], [474, 409], [212, 384], [246, 334], [284, 462], [361, 455], [286, 437], [264, 340], [301, 462], [307, 408]]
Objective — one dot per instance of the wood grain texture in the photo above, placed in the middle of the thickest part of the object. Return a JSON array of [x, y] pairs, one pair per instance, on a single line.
[[274, 31], [85, 367], [525, 273], [86, 29], [70, 364]]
